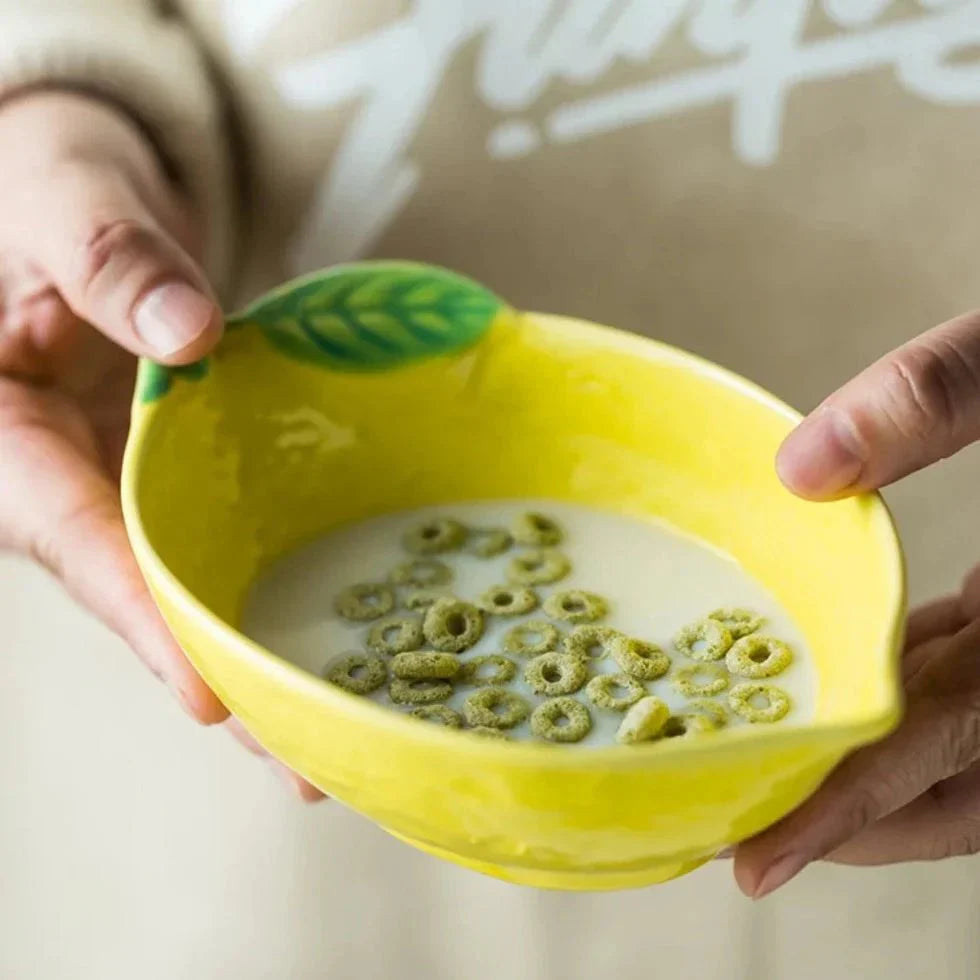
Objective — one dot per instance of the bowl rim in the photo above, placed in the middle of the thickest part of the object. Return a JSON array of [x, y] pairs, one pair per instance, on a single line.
[[845, 733]]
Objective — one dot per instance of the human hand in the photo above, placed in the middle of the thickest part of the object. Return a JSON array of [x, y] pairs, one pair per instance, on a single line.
[[916, 794], [96, 266]]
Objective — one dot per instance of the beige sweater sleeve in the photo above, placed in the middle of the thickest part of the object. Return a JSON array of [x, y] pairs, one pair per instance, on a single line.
[[129, 52]]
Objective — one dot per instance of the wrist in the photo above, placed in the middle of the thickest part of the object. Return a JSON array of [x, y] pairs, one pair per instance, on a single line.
[[51, 132], [47, 124]]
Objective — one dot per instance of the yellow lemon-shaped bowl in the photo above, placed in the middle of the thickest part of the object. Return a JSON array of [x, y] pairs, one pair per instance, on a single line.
[[384, 386]]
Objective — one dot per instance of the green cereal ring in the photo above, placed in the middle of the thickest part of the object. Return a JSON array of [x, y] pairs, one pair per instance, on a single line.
[[712, 634], [576, 606], [488, 542], [396, 635], [495, 707], [644, 721], [359, 673], [420, 664], [743, 698], [758, 656], [714, 711], [591, 642], [419, 690], [645, 661], [538, 530], [561, 720], [473, 672], [531, 638], [700, 680], [423, 598], [601, 690], [688, 725], [542, 566], [506, 600], [452, 625], [738, 622], [438, 714], [365, 601], [484, 731], [434, 536], [556, 673], [423, 573]]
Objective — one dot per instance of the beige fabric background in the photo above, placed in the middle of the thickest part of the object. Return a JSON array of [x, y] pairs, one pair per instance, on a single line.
[[134, 845]]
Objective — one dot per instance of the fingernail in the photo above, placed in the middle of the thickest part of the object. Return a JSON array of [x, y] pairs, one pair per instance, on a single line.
[[171, 317], [778, 873], [822, 457]]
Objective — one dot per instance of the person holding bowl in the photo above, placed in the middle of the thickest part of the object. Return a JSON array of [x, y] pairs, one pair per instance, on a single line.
[[117, 237]]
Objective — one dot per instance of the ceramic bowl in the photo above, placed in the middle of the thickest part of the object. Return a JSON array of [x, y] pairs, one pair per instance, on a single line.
[[383, 386]]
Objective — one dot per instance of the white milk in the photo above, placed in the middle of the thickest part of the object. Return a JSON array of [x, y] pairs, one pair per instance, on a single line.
[[655, 579]]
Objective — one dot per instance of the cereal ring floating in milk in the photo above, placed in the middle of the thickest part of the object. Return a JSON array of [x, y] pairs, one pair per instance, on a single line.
[[591, 642], [423, 573], [403, 690], [744, 700], [714, 711], [452, 625], [396, 635], [711, 633], [537, 529], [738, 622], [700, 680], [758, 656], [435, 536], [642, 660], [359, 673], [495, 707], [531, 638], [576, 606], [438, 714], [425, 664], [602, 691], [551, 674], [561, 720], [365, 601], [508, 600], [487, 542], [540, 566], [488, 670], [423, 598]]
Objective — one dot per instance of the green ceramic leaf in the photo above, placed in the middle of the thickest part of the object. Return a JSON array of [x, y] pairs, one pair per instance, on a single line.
[[368, 316], [373, 316], [155, 380]]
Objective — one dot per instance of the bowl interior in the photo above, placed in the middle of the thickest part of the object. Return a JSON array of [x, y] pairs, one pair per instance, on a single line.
[[231, 470]]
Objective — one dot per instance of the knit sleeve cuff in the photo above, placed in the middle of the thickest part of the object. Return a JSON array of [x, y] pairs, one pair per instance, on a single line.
[[150, 67]]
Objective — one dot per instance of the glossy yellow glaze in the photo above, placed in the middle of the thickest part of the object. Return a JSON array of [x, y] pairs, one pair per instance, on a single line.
[[226, 473]]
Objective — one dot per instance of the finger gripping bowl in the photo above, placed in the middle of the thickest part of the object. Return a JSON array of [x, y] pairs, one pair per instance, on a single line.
[[383, 386]]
